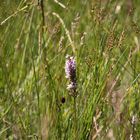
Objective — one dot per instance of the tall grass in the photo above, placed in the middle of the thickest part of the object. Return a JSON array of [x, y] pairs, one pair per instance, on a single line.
[[36, 36]]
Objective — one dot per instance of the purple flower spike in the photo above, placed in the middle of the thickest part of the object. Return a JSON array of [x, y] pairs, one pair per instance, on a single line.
[[71, 86], [70, 70]]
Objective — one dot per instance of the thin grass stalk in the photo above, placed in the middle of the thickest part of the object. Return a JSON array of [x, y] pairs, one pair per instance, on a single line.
[[38, 96], [42, 12]]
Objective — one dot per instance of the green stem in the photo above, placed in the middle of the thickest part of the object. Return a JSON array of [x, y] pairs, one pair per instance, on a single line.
[[75, 120]]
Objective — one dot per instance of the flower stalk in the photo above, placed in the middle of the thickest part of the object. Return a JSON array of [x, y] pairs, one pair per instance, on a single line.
[[70, 70]]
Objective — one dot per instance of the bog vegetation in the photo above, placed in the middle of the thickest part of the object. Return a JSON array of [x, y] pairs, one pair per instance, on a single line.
[[36, 102]]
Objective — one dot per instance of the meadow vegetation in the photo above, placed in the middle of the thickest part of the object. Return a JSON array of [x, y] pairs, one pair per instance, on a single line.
[[104, 38]]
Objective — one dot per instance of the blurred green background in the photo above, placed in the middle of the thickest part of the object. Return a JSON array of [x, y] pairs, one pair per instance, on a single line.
[[36, 36]]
